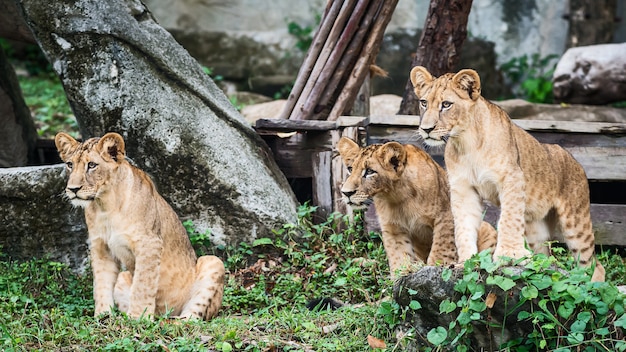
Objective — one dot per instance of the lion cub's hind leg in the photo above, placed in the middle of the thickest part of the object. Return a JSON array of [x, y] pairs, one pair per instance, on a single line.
[[538, 235], [121, 292], [575, 223], [207, 290], [487, 237]]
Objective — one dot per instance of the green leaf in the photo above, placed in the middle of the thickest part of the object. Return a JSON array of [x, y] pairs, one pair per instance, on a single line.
[[565, 310], [262, 242], [446, 274], [437, 335], [578, 326], [621, 322], [446, 307], [503, 282], [584, 316], [477, 306], [529, 292], [415, 305]]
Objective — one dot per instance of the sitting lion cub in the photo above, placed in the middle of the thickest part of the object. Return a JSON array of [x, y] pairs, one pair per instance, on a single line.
[[410, 193], [131, 225], [539, 187]]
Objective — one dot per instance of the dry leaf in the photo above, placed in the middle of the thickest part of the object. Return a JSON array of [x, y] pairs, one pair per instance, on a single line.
[[375, 343], [491, 299]]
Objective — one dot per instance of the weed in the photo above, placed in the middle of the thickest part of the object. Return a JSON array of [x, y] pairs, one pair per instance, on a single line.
[[531, 77]]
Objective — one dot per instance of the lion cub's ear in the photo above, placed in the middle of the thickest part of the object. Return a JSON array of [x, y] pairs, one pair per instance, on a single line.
[[420, 77], [393, 156], [469, 81], [348, 149], [65, 145], [111, 147]]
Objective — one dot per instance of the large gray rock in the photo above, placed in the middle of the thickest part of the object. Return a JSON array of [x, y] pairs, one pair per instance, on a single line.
[[35, 220], [122, 72], [594, 74]]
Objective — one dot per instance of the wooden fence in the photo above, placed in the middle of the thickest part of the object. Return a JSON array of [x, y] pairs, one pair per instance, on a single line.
[[305, 149]]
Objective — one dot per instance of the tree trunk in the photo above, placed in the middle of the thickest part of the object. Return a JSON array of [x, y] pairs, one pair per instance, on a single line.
[[591, 22], [439, 48], [122, 72]]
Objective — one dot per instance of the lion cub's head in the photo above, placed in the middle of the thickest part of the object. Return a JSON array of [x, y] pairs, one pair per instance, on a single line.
[[89, 164], [445, 103], [373, 170]]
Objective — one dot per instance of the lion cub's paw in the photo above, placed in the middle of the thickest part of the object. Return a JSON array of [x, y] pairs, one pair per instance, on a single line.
[[515, 253]]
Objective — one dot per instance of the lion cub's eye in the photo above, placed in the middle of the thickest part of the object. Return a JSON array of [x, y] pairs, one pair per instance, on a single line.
[[446, 104], [91, 165], [423, 103], [69, 164], [349, 169], [369, 172]]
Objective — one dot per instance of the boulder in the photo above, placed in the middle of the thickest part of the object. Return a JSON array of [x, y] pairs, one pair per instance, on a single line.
[[35, 220], [593, 74], [122, 72]]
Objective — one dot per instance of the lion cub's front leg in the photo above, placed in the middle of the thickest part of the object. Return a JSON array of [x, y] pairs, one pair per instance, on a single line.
[[105, 272], [207, 289], [467, 210], [145, 281], [511, 225]]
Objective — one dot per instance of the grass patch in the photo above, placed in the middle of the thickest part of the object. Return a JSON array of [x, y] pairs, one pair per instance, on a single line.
[[45, 306], [45, 97]]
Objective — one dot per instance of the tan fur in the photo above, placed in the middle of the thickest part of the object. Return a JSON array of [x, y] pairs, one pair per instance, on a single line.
[[539, 188], [410, 192], [131, 226]]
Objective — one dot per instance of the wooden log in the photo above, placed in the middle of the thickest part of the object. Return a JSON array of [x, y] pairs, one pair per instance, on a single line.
[[332, 10], [298, 113], [311, 107], [343, 70], [368, 54]]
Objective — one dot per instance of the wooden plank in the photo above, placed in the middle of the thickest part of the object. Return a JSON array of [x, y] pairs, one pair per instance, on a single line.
[[609, 223], [295, 125], [396, 120], [352, 121], [322, 190], [566, 140], [572, 126], [601, 163]]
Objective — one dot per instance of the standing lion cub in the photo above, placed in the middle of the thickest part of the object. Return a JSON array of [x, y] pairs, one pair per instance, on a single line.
[[540, 188], [131, 226]]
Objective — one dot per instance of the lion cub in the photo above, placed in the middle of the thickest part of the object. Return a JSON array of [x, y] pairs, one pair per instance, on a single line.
[[410, 192], [540, 188], [130, 225]]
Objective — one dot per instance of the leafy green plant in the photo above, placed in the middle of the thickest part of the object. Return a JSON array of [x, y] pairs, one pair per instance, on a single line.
[[566, 311], [48, 104], [303, 35], [531, 77]]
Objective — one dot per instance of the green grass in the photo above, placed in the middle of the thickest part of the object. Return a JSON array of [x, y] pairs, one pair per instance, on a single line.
[[45, 97], [45, 306]]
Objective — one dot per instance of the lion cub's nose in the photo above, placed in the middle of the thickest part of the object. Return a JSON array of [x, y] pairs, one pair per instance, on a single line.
[[74, 189], [348, 193], [428, 130]]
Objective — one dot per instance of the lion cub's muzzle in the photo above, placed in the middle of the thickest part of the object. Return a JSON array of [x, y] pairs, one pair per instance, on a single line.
[[355, 201], [76, 197]]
